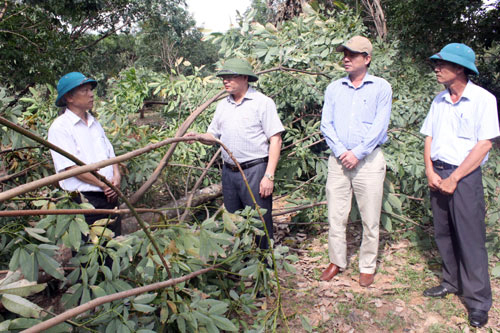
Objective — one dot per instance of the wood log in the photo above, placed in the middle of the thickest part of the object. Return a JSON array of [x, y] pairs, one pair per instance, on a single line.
[[130, 224]]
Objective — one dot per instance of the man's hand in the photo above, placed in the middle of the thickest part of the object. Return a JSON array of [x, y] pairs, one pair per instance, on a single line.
[[448, 185], [349, 160], [433, 180], [266, 187], [205, 138]]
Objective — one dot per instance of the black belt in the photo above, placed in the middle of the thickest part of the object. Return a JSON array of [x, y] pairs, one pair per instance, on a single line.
[[247, 164], [440, 165]]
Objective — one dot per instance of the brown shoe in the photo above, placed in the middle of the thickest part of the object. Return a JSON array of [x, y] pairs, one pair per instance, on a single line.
[[366, 279], [330, 272]]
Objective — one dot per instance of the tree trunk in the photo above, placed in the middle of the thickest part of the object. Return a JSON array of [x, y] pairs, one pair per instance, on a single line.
[[130, 225]]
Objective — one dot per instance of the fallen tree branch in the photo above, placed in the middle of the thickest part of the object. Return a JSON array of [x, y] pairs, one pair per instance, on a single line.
[[36, 212], [197, 184], [111, 298], [164, 161], [297, 208], [83, 169]]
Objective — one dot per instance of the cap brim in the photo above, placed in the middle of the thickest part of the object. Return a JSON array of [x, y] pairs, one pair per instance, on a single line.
[[456, 60], [60, 101]]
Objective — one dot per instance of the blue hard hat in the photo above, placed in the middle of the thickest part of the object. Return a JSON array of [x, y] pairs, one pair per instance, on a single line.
[[458, 53], [71, 81]]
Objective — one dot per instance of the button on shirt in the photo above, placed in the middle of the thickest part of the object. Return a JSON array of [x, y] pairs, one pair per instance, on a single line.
[[356, 119], [87, 142], [245, 127], [455, 128]]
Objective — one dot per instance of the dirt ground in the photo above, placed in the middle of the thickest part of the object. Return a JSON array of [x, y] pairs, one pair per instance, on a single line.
[[393, 303]]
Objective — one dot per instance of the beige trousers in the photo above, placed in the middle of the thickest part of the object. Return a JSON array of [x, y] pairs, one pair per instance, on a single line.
[[367, 181]]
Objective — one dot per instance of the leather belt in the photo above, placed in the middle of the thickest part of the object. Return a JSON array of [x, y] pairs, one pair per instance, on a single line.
[[247, 164], [440, 165]]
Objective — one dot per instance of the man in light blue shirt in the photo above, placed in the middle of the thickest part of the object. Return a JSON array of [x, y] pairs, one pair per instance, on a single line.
[[354, 122]]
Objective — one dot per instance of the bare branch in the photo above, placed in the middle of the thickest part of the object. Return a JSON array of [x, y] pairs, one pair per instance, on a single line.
[[2, 13], [198, 183]]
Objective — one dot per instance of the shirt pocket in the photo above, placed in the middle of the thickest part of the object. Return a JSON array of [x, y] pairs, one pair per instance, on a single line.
[[465, 128]]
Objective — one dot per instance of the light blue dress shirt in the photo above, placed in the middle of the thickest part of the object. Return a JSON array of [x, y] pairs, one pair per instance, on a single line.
[[356, 119]]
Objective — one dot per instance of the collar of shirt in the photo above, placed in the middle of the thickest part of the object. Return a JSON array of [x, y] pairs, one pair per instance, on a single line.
[[74, 119], [248, 95], [367, 78], [466, 94]]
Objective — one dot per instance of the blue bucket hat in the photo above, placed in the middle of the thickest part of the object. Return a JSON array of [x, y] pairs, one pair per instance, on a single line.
[[71, 81], [459, 54]]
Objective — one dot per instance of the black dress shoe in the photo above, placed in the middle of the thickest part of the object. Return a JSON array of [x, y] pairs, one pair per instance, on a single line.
[[438, 291], [478, 318]]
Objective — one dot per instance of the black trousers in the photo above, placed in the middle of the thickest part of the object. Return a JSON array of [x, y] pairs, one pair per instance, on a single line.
[[460, 234], [236, 195], [99, 201]]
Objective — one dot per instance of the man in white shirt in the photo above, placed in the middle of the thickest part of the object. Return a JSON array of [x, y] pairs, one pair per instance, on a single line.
[[80, 134], [459, 127]]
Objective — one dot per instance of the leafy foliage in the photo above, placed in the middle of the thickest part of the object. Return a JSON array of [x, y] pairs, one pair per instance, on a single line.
[[300, 60]]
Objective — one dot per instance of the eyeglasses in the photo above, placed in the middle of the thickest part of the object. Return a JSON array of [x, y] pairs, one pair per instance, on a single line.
[[229, 77]]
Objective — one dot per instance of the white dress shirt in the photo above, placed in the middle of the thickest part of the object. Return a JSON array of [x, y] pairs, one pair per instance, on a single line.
[[87, 142], [455, 128]]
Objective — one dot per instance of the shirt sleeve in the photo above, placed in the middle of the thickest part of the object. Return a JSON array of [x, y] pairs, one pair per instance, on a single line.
[[426, 128], [214, 127], [378, 129], [62, 138], [488, 122], [327, 127], [271, 122]]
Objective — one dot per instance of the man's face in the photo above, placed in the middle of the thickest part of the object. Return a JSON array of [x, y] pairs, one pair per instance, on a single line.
[[446, 72], [81, 97], [355, 62], [235, 84]]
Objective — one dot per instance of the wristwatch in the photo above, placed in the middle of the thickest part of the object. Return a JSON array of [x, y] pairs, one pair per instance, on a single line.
[[269, 176]]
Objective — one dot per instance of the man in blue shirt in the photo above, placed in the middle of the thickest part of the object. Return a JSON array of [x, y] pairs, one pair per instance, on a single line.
[[354, 122], [459, 127]]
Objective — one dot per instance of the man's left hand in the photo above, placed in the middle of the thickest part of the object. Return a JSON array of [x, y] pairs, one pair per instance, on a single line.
[[349, 160], [448, 186], [266, 187]]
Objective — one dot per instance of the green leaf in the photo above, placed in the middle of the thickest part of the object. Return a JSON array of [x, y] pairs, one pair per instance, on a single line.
[[21, 306], [386, 222], [496, 271], [49, 265], [305, 323], [63, 222], [22, 323], [22, 288], [145, 298], [4, 326], [14, 261], [75, 236], [29, 266], [224, 323], [107, 273], [35, 233], [143, 308]]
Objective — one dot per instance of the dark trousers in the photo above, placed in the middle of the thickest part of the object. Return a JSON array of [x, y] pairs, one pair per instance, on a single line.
[[236, 195], [460, 234], [99, 201]]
